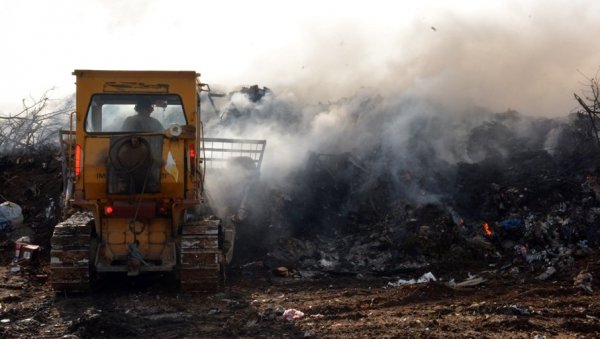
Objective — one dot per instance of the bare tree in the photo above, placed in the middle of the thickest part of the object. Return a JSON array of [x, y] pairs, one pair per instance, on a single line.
[[34, 126], [591, 107]]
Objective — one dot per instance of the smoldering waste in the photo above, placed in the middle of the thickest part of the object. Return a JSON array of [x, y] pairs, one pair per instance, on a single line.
[[505, 188]]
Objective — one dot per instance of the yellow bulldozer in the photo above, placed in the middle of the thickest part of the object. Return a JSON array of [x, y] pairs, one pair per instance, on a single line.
[[136, 164]]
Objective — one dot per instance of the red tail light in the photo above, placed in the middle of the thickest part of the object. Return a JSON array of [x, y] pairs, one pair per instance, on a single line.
[[77, 160], [192, 152], [162, 209], [192, 159], [108, 210]]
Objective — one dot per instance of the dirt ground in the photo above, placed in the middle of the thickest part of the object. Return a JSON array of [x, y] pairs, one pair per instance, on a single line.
[[509, 303]]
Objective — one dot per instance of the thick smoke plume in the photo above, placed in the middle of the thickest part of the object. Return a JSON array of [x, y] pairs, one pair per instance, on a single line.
[[413, 143]]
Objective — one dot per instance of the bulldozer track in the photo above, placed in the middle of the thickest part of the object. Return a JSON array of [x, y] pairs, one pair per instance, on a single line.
[[201, 258], [70, 253]]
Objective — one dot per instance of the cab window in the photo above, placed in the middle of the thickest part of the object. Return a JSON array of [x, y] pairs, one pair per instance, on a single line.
[[113, 113]]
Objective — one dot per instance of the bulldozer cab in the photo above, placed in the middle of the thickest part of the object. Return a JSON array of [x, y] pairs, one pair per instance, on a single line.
[[136, 132]]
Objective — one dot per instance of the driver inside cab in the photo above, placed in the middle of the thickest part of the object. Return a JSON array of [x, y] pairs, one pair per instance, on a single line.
[[142, 121]]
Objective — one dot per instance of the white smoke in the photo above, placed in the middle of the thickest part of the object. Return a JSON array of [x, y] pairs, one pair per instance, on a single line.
[[417, 95]]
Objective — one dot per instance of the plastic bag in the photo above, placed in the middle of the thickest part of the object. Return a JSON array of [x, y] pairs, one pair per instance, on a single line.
[[11, 217]]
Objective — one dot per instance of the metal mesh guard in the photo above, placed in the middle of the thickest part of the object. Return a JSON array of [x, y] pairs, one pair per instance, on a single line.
[[217, 151]]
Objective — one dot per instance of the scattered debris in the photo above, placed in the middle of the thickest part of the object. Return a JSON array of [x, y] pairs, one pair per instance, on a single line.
[[472, 280], [547, 273], [308, 334], [292, 314], [281, 271], [514, 309], [214, 310], [29, 252], [272, 313], [41, 277], [425, 278], [584, 281]]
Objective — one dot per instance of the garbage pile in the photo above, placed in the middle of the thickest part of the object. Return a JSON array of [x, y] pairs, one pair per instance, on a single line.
[[521, 201], [30, 187]]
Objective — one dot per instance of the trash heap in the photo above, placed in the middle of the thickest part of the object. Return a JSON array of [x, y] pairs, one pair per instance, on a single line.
[[31, 186], [519, 201]]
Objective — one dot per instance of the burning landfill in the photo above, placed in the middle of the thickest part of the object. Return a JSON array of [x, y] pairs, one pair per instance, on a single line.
[[397, 191], [369, 186]]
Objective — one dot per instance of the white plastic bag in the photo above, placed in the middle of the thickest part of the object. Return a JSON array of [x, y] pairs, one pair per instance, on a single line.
[[11, 217]]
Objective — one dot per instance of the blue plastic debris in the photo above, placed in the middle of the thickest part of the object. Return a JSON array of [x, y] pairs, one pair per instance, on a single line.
[[511, 224]]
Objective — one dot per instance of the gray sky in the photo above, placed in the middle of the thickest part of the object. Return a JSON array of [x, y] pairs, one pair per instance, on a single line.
[[525, 55]]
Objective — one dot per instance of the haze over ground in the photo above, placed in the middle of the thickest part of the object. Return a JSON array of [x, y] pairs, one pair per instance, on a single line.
[[529, 56]]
